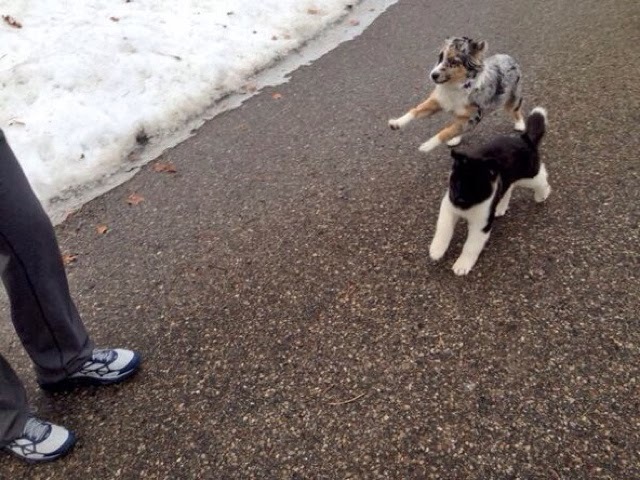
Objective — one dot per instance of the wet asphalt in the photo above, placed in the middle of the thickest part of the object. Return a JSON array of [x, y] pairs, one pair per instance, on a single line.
[[292, 325]]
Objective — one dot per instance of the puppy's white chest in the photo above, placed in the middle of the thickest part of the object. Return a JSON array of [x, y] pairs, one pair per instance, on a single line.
[[452, 100]]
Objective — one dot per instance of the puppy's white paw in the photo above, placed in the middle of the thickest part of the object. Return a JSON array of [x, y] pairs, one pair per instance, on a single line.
[[429, 145], [437, 250], [519, 126], [501, 210], [542, 195], [463, 265], [397, 123], [455, 141], [394, 123]]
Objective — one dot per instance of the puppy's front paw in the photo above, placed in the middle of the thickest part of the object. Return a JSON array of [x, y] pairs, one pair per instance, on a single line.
[[397, 123], [542, 195], [519, 126], [437, 250], [429, 145], [463, 265]]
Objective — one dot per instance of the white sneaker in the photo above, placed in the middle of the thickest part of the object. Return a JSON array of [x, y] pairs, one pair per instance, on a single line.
[[41, 441], [103, 368]]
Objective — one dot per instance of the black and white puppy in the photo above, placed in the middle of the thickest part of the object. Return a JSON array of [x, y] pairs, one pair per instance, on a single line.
[[480, 188]]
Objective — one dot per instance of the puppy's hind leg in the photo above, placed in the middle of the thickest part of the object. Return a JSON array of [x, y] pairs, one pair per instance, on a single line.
[[538, 184], [541, 187], [514, 109], [453, 132], [447, 219]]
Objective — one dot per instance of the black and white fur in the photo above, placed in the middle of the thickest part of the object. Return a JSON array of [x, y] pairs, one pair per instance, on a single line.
[[469, 87], [480, 187]]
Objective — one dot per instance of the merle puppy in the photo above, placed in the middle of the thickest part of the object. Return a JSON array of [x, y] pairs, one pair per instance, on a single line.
[[480, 188], [468, 86]]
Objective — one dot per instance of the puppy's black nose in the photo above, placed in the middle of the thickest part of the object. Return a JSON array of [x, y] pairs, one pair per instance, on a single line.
[[435, 75]]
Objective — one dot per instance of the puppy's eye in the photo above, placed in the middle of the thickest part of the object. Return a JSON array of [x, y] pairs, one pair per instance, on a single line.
[[454, 62], [440, 57]]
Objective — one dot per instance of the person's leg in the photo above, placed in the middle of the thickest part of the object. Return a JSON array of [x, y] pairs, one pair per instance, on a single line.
[[14, 410], [45, 319], [42, 310], [25, 436]]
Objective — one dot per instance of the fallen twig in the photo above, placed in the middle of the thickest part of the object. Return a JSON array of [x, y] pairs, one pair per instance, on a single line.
[[555, 474], [326, 389], [348, 401]]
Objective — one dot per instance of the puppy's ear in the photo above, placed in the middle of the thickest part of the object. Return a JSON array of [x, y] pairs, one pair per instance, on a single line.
[[478, 48]]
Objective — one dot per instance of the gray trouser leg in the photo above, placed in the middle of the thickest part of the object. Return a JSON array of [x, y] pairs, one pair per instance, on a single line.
[[13, 404], [42, 311]]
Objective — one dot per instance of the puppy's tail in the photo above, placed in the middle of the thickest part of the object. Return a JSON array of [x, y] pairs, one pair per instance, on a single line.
[[536, 125]]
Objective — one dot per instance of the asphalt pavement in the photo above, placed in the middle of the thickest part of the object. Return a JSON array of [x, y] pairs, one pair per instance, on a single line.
[[292, 325]]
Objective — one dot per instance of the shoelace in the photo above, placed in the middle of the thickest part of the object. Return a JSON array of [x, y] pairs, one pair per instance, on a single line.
[[36, 430], [103, 356]]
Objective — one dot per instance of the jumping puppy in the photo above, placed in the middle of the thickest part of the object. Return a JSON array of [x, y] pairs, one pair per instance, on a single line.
[[480, 188], [469, 87]]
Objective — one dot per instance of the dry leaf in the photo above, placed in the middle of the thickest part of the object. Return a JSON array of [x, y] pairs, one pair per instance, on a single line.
[[313, 11], [354, 22], [277, 96], [114, 19], [164, 167], [102, 229], [68, 214], [69, 258], [12, 22], [135, 199]]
